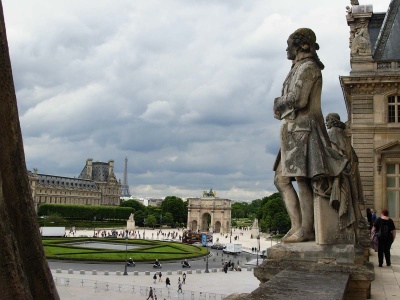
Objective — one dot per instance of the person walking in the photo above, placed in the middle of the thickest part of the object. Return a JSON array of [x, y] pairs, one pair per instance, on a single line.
[[184, 278], [369, 219], [226, 267], [167, 282], [386, 232], [373, 216], [159, 277], [150, 294], [155, 278], [179, 285]]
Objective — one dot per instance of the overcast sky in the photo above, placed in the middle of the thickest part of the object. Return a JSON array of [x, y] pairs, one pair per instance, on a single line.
[[184, 88]]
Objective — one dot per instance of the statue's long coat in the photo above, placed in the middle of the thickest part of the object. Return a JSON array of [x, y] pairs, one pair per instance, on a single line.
[[305, 146]]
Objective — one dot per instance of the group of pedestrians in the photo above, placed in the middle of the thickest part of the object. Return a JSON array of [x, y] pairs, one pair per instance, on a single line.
[[167, 284], [384, 231]]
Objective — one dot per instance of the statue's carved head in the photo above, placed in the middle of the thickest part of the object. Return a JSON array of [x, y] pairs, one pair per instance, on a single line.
[[333, 120], [304, 40]]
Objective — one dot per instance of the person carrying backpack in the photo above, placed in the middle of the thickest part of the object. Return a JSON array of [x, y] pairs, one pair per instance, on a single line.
[[155, 278], [385, 230]]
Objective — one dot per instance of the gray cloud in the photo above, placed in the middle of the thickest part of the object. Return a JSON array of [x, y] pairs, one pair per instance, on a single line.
[[183, 88]]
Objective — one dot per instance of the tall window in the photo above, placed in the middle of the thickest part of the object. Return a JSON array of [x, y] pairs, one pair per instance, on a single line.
[[393, 189], [394, 109]]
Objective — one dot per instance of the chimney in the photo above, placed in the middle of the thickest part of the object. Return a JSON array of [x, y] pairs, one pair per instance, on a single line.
[[110, 168], [89, 168]]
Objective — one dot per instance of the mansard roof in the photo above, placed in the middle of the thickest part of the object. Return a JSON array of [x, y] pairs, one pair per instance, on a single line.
[[65, 182], [387, 42], [99, 172]]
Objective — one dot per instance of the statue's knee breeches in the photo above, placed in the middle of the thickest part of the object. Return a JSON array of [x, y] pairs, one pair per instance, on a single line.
[[282, 181]]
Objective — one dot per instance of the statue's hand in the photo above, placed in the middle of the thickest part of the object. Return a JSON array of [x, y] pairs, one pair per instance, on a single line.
[[284, 108], [278, 108]]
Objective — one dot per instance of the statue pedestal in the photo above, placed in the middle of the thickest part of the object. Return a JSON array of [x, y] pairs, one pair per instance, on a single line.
[[254, 233], [328, 259], [130, 225], [326, 222]]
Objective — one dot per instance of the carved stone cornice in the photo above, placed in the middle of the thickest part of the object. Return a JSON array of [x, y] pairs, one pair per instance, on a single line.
[[370, 85]]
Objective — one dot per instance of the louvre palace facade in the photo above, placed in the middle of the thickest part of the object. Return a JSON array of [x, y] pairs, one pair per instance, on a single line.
[[372, 98], [96, 185]]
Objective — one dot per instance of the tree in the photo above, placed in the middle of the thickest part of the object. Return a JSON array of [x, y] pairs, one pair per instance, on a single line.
[[176, 207], [239, 210], [24, 272], [253, 208], [154, 210], [151, 221], [273, 214], [139, 217], [136, 205], [168, 219]]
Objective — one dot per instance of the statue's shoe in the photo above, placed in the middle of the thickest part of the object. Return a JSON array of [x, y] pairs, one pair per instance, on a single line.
[[288, 234], [299, 236]]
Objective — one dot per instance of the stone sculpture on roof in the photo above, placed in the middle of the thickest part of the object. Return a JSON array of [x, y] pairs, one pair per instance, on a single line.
[[361, 45]]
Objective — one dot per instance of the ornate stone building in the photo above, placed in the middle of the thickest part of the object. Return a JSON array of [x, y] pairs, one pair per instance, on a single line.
[[209, 213], [96, 185], [372, 97]]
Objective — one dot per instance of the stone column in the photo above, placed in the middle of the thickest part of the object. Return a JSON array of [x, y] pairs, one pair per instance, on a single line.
[[189, 221], [198, 220], [212, 221]]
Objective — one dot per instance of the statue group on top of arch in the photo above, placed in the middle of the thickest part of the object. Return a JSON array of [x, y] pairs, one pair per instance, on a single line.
[[211, 193], [323, 165]]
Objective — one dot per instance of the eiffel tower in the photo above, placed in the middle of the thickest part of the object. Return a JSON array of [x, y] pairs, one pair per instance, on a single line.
[[124, 192]]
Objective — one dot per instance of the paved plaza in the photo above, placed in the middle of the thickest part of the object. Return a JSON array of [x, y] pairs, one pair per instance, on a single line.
[[207, 286]]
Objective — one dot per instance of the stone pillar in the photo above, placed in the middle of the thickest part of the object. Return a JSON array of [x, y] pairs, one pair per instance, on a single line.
[[189, 222], [198, 220], [212, 221], [223, 223]]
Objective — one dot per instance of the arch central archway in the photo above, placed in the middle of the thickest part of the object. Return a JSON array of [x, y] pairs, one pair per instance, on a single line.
[[205, 222]]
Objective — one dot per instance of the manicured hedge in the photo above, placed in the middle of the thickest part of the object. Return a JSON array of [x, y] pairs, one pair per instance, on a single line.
[[83, 212], [59, 248]]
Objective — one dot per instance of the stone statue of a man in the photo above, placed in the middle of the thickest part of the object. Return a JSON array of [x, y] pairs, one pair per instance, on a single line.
[[305, 155]]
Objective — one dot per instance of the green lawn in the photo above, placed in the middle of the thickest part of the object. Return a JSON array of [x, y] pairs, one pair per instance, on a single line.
[[148, 250]]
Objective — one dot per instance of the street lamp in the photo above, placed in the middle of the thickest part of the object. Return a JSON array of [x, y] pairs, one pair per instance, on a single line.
[[258, 248], [230, 238], [207, 271], [144, 229], [160, 221], [126, 252], [94, 227]]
